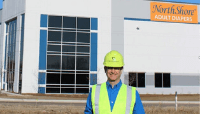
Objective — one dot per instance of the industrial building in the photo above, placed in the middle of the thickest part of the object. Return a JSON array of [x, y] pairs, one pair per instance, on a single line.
[[58, 46]]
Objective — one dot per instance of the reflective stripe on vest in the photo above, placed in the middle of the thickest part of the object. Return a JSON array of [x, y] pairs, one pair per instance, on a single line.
[[124, 102]]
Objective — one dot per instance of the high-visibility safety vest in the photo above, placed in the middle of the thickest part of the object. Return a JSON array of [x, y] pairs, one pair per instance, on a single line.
[[124, 102]]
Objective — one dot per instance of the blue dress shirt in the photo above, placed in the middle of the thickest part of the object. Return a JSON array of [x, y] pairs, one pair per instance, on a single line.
[[112, 94]]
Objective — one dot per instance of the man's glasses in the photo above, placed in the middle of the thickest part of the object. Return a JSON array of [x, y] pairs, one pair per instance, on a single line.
[[115, 68]]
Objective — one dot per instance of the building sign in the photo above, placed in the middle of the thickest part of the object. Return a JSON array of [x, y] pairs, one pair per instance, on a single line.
[[174, 12]]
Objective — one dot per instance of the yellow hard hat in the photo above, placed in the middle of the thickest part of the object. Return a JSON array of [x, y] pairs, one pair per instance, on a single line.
[[113, 59]]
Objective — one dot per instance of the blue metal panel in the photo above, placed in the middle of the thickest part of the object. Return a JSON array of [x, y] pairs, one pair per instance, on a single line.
[[139, 19], [136, 19], [93, 38], [93, 79], [41, 90], [43, 20], [182, 1], [93, 48], [23, 20], [43, 49], [94, 24], [4, 76], [5, 53], [93, 58], [42, 78], [93, 63], [21, 45]]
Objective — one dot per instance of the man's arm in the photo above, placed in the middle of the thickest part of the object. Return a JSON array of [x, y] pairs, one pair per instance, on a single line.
[[138, 108], [88, 107]]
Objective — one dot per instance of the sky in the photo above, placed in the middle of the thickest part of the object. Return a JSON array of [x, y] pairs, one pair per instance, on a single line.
[[1, 1], [185, 1]]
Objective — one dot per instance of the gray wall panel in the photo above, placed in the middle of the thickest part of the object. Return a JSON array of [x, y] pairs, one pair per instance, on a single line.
[[184, 80], [126, 78], [117, 36], [119, 10], [12, 8], [131, 8], [149, 79], [136, 9]]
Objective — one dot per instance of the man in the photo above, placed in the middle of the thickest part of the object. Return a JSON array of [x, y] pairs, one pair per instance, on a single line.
[[113, 96]]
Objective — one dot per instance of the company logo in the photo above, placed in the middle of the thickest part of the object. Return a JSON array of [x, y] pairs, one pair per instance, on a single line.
[[113, 58], [174, 12]]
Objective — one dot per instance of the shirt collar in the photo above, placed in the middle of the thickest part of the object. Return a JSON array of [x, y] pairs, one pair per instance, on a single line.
[[115, 86]]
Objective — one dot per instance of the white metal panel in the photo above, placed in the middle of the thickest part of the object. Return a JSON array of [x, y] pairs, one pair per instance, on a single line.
[[17, 55], [70, 7], [100, 9], [2, 47], [12, 8], [161, 47]]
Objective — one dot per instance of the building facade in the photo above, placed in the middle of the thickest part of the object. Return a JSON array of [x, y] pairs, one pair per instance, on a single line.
[[58, 47]]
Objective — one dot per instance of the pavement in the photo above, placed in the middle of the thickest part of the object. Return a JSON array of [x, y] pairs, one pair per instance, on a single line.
[[10, 94], [84, 101], [78, 101]]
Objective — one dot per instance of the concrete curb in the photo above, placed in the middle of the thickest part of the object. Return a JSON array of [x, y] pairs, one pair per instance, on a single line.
[[171, 102]]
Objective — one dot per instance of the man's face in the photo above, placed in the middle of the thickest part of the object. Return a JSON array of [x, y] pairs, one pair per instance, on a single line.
[[113, 73]]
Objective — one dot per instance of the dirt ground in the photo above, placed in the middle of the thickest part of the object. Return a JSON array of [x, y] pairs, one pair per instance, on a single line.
[[56, 109], [181, 97]]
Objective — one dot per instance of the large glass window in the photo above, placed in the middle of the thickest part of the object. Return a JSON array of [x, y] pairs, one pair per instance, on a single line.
[[69, 36], [141, 79], [53, 62], [68, 54], [68, 62], [85, 49], [68, 48], [68, 79], [137, 79], [162, 80], [158, 79], [54, 48], [83, 37], [69, 22], [83, 23], [10, 53], [54, 36], [166, 80], [82, 78], [53, 78], [55, 21]]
